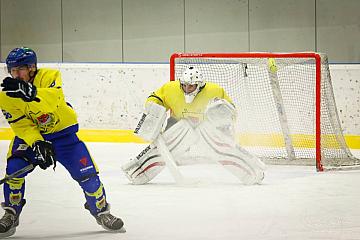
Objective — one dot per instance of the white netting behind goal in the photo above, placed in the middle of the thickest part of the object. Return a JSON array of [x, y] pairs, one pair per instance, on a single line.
[[277, 109]]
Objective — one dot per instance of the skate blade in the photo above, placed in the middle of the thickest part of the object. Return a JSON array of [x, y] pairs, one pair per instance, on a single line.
[[8, 233], [121, 230]]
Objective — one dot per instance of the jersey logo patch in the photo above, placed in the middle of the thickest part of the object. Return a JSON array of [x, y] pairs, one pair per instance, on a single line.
[[44, 119], [44, 122], [84, 161]]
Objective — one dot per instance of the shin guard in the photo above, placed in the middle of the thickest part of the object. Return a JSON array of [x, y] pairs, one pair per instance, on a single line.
[[94, 194]]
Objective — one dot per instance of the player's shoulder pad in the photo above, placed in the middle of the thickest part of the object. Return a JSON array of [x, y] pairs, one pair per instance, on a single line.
[[48, 72], [46, 77], [172, 83], [213, 85]]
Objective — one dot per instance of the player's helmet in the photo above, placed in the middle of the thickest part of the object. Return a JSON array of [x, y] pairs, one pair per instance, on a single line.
[[20, 57], [192, 75]]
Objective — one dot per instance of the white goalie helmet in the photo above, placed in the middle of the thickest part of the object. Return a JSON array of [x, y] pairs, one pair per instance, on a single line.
[[192, 76]]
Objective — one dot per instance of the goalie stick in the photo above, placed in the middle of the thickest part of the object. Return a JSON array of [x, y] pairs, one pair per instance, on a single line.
[[169, 160], [17, 173]]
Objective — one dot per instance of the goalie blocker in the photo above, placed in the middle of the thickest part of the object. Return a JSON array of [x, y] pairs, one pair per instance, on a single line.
[[215, 134]]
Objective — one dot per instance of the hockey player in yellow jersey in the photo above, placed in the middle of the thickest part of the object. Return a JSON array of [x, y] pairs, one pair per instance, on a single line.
[[202, 116], [45, 128], [187, 99]]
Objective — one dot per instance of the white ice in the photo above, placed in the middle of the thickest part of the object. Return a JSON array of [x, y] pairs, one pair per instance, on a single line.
[[294, 202]]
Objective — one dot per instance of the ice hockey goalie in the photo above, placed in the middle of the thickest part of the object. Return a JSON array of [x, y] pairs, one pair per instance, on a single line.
[[201, 123]]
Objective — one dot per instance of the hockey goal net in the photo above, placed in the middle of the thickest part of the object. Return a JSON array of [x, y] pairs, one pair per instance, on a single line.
[[285, 103]]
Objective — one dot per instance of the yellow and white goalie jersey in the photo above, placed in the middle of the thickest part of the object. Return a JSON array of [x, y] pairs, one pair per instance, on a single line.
[[29, 120], [171, 96]]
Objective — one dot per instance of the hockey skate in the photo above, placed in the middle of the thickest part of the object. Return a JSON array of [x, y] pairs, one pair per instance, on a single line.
[[108, 221], [8, 223]]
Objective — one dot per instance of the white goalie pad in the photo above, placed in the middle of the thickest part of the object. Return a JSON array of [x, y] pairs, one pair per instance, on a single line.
[[180, 138], [149, 163], [150, 124], [145, 166], [245, 166]]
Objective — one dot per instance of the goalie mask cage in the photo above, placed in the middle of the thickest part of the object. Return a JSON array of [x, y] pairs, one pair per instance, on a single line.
[[285, 104]]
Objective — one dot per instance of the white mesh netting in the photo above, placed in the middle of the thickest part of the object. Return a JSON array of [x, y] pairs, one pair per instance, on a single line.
[[264, 119]]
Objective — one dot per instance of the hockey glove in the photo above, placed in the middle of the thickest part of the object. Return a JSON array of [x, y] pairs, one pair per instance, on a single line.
[[17, 88], [44, 154]]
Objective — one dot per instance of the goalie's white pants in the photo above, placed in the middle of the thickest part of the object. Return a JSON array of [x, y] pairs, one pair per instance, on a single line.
[[181, 139]]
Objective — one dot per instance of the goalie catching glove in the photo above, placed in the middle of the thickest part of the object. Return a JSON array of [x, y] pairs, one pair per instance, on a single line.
[[220, 111], [222, 115]]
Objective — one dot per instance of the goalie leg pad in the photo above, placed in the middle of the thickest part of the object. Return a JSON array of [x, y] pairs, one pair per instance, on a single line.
[[248, 168], [176, 134], [179, 139], [243, 171], [147, 165]]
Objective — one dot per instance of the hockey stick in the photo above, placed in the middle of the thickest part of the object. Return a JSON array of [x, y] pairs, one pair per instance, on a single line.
[[169, 160], [18, 173]]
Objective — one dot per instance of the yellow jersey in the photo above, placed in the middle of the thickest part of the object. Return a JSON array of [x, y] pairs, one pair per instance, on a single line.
[[29, 120], [171, 96]]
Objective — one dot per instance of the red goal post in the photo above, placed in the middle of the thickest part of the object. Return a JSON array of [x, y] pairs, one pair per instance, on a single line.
[[298, 79]]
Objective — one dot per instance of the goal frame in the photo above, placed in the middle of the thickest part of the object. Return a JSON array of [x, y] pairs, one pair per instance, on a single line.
[[313, 55]]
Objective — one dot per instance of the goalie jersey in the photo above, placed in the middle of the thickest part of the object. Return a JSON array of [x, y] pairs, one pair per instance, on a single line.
[[171, 96], [29, 120]]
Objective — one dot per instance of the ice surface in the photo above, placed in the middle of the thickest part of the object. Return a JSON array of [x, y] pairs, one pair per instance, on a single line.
[[294, 202]]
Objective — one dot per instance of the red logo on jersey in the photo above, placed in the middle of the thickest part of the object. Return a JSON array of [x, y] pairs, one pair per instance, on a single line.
[[84, 161], [43, 119]]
